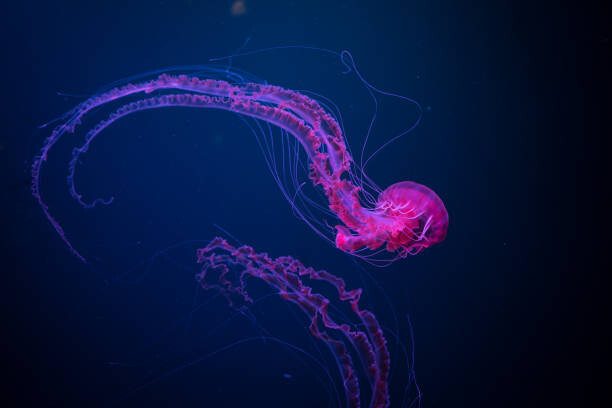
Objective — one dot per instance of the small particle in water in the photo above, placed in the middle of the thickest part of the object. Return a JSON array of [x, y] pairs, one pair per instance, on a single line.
[[287, 376], [238, 8]]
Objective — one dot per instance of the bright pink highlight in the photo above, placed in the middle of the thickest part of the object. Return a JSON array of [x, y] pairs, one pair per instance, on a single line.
[[232, 266]]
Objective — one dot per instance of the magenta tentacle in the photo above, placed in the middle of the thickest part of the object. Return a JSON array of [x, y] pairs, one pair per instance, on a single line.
[[286, 275], [402, 219], [401, 228]]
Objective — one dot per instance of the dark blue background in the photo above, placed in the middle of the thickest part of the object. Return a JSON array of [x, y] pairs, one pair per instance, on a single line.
[[501, 309]]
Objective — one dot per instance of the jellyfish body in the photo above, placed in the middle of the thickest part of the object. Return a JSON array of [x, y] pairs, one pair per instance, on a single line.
[[409, 217]]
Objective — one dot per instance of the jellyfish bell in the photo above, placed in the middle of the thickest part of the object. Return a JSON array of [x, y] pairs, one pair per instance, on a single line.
[[408, 217], [419, 214]]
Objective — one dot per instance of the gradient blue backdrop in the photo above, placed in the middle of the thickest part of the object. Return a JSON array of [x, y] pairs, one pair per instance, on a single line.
[[494, 307]]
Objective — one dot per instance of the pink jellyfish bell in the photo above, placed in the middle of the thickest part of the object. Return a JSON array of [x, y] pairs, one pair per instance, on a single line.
[[421, 220], [409, 217]]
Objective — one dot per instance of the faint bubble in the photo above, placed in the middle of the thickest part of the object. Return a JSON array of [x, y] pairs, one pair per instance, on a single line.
[[287, 376], [238, 8]]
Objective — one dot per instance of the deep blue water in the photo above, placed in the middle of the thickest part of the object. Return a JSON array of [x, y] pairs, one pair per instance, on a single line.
[[493, 307]]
